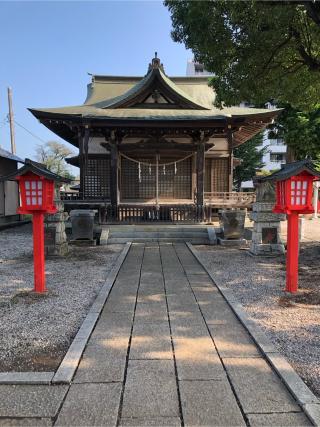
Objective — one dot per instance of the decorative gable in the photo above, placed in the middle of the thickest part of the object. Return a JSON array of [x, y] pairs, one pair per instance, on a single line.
[[156, 91]]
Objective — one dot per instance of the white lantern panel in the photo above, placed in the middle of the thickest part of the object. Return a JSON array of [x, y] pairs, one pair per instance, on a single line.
[[27, 184], [33, 185], [28, 201]]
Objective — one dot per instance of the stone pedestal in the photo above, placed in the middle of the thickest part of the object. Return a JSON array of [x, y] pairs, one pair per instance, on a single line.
[[55, 235], [266, 230]]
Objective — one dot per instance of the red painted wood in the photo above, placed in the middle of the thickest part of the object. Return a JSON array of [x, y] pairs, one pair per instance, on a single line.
[[38, 252], [292, 252]]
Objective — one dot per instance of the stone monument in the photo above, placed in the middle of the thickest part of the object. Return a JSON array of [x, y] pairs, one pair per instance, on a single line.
[[55, 234], [266, 229], [232, 225]]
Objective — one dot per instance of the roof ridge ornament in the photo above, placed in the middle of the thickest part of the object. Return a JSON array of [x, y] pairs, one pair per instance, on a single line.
[[155, 64]]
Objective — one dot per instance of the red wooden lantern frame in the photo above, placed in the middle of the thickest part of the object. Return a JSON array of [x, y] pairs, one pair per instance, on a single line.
[[37, 185], [37, 198], [37, 193], [295, 194], [294, 197]]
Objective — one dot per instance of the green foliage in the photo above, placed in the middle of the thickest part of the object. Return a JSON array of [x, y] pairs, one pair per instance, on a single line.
[[53, 155], [250, 153], [300, 130], [258, 50]]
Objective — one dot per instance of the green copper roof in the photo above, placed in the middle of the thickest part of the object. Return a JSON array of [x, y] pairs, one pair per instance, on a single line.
[[120, 99]]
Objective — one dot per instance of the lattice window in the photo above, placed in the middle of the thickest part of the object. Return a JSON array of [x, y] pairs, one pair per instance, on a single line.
[[97, 178], [207, 175], [183, 180], [173, 184], [220, 175]]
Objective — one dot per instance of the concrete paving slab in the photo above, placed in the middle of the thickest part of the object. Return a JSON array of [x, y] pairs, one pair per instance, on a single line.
[[151, 297], [91, 405], [103, 361], [26, 377], [150, 422], [115, 319], [151, 341], [185, 318], [291, 419], [197, 359], [257, 386], [105, 330], [150, 390], [209, 403], [32, 422], [192, 331], [151, 309], [36, 401], [232, 340]]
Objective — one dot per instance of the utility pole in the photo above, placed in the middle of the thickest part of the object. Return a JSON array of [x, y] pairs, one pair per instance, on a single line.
[[11, 122]]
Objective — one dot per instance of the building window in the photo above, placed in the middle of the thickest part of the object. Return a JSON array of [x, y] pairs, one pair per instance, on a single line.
[[278, 157], [198, 68], [276, 141]]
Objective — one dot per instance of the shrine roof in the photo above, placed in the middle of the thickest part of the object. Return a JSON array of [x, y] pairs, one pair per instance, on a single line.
[[152, 98]]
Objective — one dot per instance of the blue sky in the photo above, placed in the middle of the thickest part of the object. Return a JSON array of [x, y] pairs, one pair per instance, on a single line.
[[47, 49]]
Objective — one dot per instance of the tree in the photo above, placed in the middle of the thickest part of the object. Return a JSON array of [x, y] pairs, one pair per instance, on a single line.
[[300, 130], [258, 50], [250, 153], [53, 154]]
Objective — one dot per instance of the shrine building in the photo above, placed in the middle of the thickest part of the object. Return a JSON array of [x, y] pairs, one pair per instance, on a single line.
[[153, 146]]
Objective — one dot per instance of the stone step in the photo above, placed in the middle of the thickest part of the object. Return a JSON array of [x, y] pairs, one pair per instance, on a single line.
[[156, 228], [172, 234], [194, 240]]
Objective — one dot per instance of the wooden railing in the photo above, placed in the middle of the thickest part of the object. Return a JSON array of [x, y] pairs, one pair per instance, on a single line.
[[229, 199], [143, 213]]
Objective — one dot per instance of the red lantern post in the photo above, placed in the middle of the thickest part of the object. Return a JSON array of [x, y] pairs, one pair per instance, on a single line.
[[36, 184], [294, 187], [37, 199]]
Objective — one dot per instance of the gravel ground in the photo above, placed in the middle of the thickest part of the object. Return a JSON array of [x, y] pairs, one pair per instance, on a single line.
[[292, 323], [35, 332]]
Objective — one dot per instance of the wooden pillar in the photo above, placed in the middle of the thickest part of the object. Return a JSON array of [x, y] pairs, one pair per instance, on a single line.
[[230, 161], [81, 163], [114, 198], [83, 140], [200, 173]]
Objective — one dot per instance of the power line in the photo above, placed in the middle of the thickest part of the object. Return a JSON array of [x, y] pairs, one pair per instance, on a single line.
[[31, 133]]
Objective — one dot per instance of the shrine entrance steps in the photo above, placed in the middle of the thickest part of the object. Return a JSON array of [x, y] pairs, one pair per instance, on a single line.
[[162, 233]]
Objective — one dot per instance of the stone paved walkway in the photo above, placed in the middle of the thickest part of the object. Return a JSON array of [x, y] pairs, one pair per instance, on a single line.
[[166, 351]]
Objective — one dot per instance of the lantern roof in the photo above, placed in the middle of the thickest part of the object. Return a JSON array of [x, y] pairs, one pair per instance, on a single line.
[[291, 169], [36, 168]]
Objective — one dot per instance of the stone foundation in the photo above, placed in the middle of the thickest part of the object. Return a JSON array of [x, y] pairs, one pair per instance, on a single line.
[[266, 230]]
